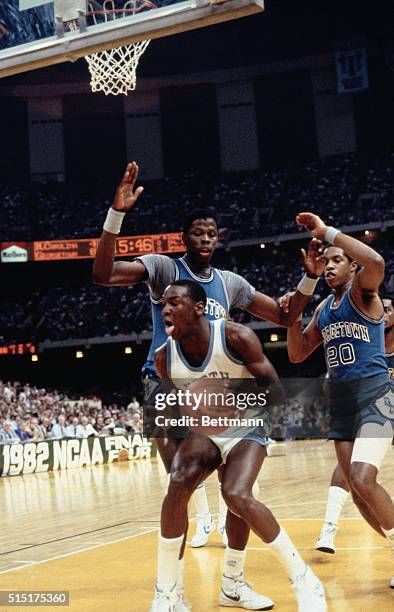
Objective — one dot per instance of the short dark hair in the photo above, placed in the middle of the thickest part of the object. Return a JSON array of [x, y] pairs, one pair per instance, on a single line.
[[201, 213], [195, 291], [387, 295], [327, 246]]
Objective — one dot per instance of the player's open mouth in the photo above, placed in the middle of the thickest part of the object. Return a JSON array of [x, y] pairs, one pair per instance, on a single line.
[[330, 275], [205, 251], [169, 327]]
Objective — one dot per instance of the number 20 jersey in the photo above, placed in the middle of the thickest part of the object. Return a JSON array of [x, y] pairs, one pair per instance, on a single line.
[[353, 342]]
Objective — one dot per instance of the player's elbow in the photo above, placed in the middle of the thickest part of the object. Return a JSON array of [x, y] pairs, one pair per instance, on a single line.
[[99, 278], [294, 358], [294, 355], [379, 264]]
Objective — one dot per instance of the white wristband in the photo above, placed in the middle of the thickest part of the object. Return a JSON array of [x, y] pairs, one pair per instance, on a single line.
[[307, 285], [113, 222], [331, 234]]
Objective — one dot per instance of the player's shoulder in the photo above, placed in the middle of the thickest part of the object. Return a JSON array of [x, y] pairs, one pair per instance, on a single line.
[[229, 276], [320, 306], [238, 333]]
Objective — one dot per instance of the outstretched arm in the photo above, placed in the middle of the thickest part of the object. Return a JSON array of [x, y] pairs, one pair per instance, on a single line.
[[267, 308], [106, 271]]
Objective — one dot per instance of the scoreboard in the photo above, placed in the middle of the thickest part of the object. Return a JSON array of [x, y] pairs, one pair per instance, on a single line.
[[85, 248]]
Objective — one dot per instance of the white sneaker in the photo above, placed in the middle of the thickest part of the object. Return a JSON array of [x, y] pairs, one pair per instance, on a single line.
[[392, 583], [164, 602], [205, 526], [236, 593], [325, 543], [182, 604], [222, 528], [309, 592]]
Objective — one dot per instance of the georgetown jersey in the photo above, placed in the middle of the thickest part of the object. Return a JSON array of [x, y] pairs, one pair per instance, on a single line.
[[353, 342], [390, 363], [218, 362], [217, 303]]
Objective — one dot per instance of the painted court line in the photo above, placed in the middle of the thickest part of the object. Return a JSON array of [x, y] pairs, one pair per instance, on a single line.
[[137, 535], [81, 550]]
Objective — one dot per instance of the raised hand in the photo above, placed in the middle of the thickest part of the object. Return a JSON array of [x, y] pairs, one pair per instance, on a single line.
[[125, 195], [313, 224], [313, 258]]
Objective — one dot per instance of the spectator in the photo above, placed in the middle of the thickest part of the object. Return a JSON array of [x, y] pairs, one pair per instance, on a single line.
[[7, 434], [59, 429]]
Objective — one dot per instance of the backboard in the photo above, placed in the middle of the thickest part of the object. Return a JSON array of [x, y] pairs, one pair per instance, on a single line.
[[32, 34]]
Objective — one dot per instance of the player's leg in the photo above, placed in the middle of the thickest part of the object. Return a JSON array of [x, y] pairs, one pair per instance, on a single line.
[[196, 457], [368, 454], [204, 523], [344, 450], [242, 467], [338, 493]]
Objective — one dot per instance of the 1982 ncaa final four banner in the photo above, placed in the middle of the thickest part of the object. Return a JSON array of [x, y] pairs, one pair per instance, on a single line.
[[31, 457]]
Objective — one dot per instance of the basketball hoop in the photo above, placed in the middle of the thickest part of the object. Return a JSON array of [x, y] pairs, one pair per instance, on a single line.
[[114, 71]]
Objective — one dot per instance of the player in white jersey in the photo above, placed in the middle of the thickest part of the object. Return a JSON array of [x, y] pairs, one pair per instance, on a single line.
[[338, 491], [199, 348]]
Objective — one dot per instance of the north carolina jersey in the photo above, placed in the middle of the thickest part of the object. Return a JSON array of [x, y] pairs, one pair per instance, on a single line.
[[353, 342], [390, 363], [218, 363], [217, 303]]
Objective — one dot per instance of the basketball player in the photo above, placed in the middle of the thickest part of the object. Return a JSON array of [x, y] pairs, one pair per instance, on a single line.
[[224, 290], [219, 349], [350, 325], [339, 488]]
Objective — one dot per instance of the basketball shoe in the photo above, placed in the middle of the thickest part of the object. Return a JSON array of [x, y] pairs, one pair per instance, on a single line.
[[182, 604], [237, 593], [164, 602], [392, 583], [205, 526], [309, 592], [325, 543]]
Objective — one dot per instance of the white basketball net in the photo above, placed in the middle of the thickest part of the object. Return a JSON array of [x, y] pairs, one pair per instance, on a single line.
[[114, 71]]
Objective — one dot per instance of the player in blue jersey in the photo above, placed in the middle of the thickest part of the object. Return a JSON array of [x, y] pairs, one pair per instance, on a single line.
[[199, 354], [350, 324], [339, 490], [224, 290]]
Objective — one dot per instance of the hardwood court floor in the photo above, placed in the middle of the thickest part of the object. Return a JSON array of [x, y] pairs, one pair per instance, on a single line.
[[93, 531]]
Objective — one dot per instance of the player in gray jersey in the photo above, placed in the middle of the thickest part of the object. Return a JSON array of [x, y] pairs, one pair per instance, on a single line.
[[200, 236]]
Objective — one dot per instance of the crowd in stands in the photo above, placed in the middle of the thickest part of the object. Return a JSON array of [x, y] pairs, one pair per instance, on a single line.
[[345, 190], [30, 413], [248, 204], [89, 311]]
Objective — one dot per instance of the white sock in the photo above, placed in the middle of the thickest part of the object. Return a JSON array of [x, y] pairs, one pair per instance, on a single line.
[[167, 562], [234, 561], [222, 507], [335, 502], [179, 576], [288, 555], [389, 533], [200, 500]]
